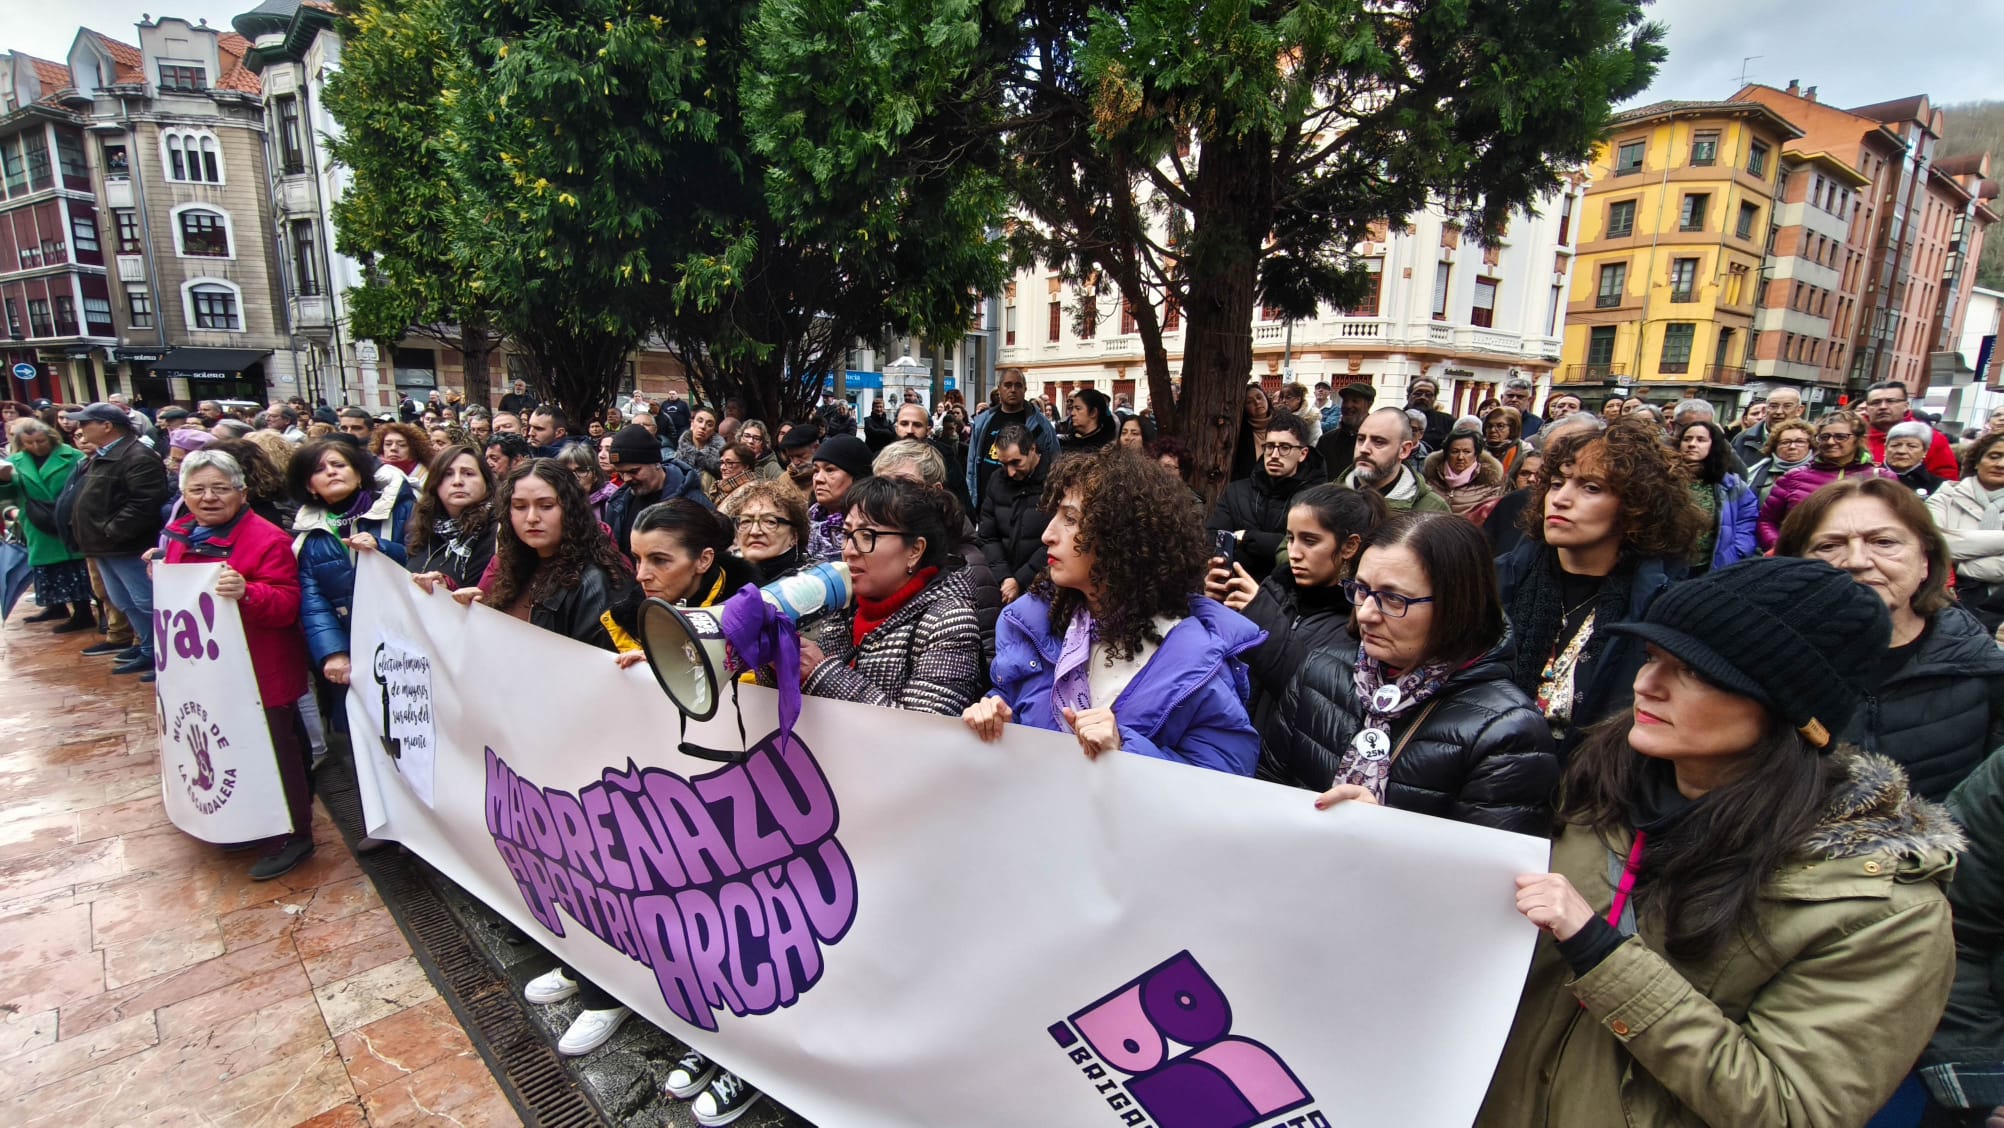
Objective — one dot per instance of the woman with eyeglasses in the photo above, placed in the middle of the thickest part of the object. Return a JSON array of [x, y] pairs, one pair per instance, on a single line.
[[771, 528], [911, 639], [1115, 642], [1840, 454], [584, 464], [1790, 445], [1423, 715], [736, 467], [757, 437]]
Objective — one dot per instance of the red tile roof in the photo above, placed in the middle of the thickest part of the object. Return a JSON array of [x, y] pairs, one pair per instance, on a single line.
[[54, 77], [131, 65], [236, 76]]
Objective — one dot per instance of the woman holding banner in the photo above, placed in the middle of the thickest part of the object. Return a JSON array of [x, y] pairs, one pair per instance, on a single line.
[[259, 572], [1115, 641], [1746, 919], [348, 503], [451, 533]]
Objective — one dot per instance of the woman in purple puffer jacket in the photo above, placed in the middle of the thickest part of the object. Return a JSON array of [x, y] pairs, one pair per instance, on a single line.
[[1840, 454], [1115, 642]]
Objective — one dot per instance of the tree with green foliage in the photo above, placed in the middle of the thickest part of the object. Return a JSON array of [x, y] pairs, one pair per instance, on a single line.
[[396, 215], [1200, 155]]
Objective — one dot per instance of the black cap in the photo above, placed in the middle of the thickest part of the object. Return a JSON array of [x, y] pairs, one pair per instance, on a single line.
[[1796, 635], [847, 453], [634, 443], [800, 435], [101, 412], [1364, 392]]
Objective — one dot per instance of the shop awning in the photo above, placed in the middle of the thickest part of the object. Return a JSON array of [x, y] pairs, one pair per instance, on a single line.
[[208, 364]]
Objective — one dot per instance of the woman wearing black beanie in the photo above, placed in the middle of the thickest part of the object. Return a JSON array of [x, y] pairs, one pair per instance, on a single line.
[[1745, 918]]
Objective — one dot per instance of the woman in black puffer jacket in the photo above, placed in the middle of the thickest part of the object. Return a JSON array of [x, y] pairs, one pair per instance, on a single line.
[[1301, 606], [1425, 716]]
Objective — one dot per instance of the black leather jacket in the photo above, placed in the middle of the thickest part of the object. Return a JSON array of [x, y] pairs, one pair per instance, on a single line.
[[1483, 755], [579, 612]]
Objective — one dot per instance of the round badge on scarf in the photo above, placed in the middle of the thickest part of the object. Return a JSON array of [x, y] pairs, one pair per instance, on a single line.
[[1386, 699], [1372, 744]]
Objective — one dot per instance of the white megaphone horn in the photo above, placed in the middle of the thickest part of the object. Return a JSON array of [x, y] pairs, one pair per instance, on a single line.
[[687, 647]]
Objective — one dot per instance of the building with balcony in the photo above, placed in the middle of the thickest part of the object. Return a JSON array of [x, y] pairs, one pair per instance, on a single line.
[[177, 136], [1673, 234], [1443, 306], [1806, 312], [1917, 223], [54, 293]]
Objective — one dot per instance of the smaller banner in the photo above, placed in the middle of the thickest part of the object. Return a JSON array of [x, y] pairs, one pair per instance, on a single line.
[[218, 777]]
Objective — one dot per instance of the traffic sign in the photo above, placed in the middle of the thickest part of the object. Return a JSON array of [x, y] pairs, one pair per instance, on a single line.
[[24, 371]]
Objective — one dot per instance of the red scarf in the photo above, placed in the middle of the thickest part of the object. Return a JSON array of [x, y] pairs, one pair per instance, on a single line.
[[407, 465], [871, 613]]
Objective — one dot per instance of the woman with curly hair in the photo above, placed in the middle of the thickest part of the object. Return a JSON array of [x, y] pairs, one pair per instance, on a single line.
[[264, 480], [1115, 641], [1608, 526], [405, 447], [554, 564], [1840, 453], [451, 534]]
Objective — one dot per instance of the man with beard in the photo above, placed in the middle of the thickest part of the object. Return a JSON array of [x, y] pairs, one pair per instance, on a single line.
[[1254, 510], [647, 478], [1011, 530], [913, 423], [1384, 442], [1011, 408], [1423, 395]]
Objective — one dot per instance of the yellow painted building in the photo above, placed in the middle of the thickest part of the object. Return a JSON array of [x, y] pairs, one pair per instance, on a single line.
[[1673, 233]]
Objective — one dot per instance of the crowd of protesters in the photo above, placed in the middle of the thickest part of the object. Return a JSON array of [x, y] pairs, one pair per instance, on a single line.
[[1745, 677]]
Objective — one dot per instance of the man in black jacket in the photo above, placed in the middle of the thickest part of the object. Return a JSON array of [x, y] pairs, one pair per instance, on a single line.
[[636, 457], [1011, 530], [117, 518], [1254, 509]]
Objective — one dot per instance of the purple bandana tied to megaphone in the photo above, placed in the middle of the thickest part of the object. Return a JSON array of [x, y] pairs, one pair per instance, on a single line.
[[762, 626]]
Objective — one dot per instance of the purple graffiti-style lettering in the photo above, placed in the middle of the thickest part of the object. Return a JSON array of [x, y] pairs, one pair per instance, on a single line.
[[1220, 1081], [726, 885]]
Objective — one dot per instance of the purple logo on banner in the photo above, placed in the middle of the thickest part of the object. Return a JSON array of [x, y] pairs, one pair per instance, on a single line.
[[1217, 1080], [726, 885], [192, 730]]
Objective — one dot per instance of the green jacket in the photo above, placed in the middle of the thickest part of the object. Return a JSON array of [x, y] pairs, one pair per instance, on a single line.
[[1965, 1062], [1811, 1026], [42, 483]]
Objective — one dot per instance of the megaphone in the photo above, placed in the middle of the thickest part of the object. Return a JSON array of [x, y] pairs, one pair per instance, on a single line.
[[688, 648]]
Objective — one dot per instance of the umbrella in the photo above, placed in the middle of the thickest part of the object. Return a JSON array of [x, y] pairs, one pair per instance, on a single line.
[[14, 575]]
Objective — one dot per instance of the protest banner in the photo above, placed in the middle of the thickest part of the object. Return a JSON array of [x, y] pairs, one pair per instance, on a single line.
[[218, 777], [883, 921]]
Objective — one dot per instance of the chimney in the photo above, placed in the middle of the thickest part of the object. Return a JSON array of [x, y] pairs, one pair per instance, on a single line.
[[1795, 86], [1810, 93]]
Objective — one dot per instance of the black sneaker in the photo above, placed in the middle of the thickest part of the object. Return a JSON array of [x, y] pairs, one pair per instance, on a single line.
[[690, 1076], [284, 859], [49, 614], [134, 664], [97, 649], [727, 1098]]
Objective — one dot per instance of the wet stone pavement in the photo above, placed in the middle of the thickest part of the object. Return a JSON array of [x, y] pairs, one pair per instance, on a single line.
[[146, 980]]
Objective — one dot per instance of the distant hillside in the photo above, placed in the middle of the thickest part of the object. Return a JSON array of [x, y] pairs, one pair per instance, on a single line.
[[1974, 127]]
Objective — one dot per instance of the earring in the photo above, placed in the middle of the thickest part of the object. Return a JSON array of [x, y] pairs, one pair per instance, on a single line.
[[911, 569]]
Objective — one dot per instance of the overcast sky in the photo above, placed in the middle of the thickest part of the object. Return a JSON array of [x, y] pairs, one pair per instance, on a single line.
[[1855, 51]]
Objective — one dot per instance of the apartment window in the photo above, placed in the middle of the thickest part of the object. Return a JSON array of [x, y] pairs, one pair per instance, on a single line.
[[1552, 311], [305, 258], [291, 147], [1566, 220], [1443, 274], [1127, 323], [1621, 219], [1683, 279], [1628, 158], [186, 78], [1757, 160], [13, 319], [1089, 318], [38, 318], [1760, 293], [116, 163], [17, 173], [1613, 281], [1692, 217], [1705, 147], [1600, 349], [1368, 306], [193, 157], [215, 306], [1483, 311], [204, 233], [83, 233], [1009, 325], [97, 313], [1749, 215], [1172, 315], [66, 316], [1057, 320], [70, 160], [127, 222], [35, 148], [139, 307], [1677, 338]]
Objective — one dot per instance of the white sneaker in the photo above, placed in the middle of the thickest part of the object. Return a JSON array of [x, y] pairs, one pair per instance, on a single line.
[[689, 1076], [590, 1030], [727, 1098], [550, 987]]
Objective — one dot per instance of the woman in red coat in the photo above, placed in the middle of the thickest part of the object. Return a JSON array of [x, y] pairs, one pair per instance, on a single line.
[[260, 573]]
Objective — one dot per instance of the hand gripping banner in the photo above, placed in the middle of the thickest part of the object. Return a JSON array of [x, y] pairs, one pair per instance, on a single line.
[[883, 921]]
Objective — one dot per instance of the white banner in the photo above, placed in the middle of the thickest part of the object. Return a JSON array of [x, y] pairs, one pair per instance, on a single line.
[[887, 922], [218, 777]]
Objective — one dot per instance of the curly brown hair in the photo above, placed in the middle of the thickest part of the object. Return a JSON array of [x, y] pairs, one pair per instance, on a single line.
[[1775, 432], [1658, 515], [419, 442], [1146, 539], [585, 544], [263, 481]]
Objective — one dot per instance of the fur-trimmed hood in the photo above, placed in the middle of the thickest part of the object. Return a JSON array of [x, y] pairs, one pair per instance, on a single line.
[[1488, 471], [1873, 812]]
